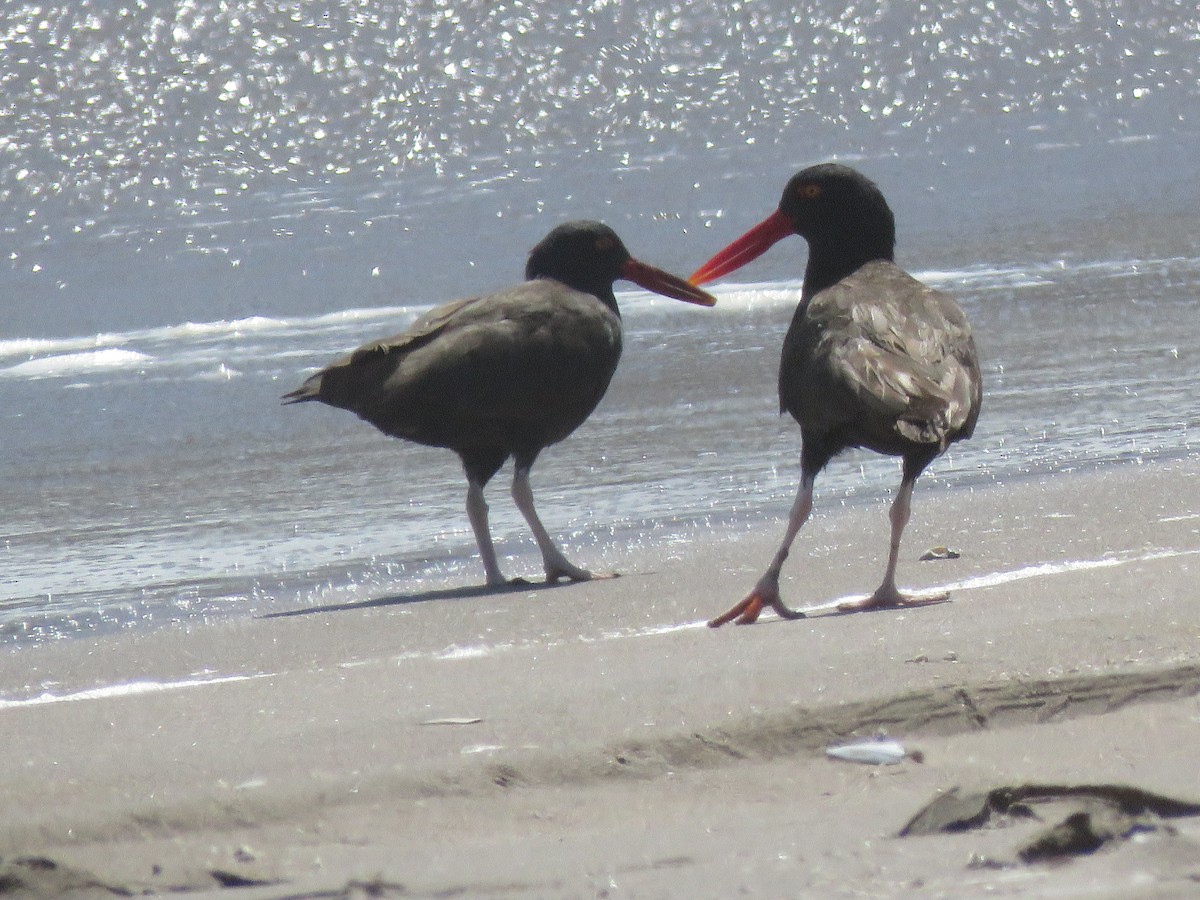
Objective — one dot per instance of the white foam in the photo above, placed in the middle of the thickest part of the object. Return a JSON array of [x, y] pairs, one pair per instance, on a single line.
[[129, 689], [474, 651], [1041, 570], [730, 297], [1047, 569], [192, 350], [190, 332], [89, 361], [43, 346], [652, 631], [481, 748], [734, 297], [201, 346]]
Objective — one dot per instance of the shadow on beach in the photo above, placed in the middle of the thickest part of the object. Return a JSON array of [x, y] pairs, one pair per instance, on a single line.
[[457, 593]]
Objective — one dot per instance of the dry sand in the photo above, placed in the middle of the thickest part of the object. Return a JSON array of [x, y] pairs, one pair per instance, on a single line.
[[621, 748]]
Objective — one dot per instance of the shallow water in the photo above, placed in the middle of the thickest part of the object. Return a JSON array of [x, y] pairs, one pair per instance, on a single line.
[[200, 204]]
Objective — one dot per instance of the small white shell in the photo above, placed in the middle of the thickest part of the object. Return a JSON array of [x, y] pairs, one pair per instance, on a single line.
[[874, 753]]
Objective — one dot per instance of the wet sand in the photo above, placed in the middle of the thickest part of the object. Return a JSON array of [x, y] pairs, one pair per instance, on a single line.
[[598, 740]]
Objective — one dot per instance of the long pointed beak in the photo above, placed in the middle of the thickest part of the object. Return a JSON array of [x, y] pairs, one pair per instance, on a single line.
[[655, 279], [751, 245]]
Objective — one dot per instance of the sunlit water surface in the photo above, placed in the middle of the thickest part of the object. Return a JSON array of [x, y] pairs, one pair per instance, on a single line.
[[202, 201]]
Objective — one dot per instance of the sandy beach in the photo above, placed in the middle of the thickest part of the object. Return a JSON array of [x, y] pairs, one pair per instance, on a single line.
[[242, 645], [566, 742]]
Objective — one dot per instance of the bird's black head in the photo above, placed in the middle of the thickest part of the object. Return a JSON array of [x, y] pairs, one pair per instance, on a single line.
[[841, 214], [838, 210], [586, 255], [589, 257]]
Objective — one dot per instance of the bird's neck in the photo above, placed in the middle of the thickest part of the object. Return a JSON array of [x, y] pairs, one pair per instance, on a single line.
[[600, 289], [606, 296], [830, 263]]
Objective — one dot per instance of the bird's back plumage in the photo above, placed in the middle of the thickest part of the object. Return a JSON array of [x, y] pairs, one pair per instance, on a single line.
[[513, 371], [882, 361]]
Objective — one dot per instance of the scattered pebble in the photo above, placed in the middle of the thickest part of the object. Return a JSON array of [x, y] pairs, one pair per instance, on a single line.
[[939, 553], [949, 656]]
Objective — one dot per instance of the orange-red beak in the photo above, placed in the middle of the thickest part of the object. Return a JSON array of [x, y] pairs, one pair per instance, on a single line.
[[655, 279], [751, 245]]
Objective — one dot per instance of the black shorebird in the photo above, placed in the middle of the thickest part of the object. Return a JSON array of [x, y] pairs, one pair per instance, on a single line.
[[506, 374], [873, 357]]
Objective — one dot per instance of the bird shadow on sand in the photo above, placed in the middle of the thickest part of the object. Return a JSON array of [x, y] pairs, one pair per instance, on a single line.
[[830, 610], [458, 593], [826, 611]]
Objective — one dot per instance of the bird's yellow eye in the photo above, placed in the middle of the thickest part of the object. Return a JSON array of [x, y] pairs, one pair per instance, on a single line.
[[809, 191]]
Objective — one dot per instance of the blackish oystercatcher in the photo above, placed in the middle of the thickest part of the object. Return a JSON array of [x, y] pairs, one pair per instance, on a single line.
[[873, 357], [506, 374]]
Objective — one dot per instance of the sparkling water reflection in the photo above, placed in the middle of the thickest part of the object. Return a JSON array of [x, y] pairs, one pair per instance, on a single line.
[[201, 200]]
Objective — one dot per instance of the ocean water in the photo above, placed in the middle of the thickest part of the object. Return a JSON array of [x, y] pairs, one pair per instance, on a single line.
[[200, 202]]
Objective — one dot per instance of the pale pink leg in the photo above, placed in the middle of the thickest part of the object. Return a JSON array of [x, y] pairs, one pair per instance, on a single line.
[[766, 591], [887, 594], [557, 566], [477, 514]]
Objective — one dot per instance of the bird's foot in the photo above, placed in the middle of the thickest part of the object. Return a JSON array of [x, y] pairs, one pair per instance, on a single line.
[[891, 598], [765, 593], [552, 578], [557, 569]]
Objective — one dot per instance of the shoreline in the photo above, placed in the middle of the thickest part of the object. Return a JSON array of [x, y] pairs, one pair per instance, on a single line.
[[451, 568], [579, 702]]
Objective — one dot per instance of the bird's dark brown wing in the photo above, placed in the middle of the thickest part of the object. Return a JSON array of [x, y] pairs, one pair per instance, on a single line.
[[883, 354], [347, 380], [420, 332], [520, 367]]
